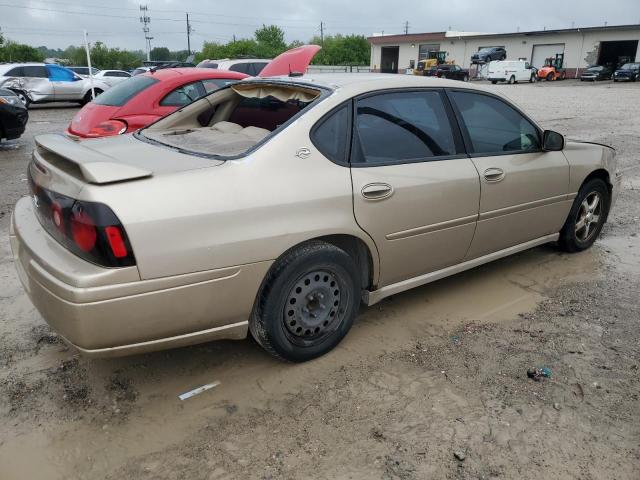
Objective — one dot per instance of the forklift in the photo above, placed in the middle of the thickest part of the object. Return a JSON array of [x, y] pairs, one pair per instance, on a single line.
[[552, 69], [434, 58]]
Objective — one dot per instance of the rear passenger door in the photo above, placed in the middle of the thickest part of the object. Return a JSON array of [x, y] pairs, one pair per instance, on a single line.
[[524, 189], [35, 81], [415, 192]]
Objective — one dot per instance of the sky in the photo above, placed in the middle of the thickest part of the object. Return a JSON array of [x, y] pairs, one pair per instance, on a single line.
[[59, 23]]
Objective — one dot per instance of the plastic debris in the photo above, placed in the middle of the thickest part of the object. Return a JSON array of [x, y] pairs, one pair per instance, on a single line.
[[460, 455], [538, 373], [197, 391]]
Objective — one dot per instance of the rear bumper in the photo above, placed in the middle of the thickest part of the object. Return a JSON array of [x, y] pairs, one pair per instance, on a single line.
[[496, 79], [112, 312]]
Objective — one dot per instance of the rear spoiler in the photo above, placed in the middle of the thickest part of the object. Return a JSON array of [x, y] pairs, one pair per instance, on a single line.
[[95, 167]]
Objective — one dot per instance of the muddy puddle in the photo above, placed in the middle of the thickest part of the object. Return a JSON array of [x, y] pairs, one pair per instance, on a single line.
[[79, 422]]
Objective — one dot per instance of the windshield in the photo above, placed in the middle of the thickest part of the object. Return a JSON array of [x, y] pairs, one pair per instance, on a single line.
[[594, 69], [630, 66], [485, 50], [125, 91]]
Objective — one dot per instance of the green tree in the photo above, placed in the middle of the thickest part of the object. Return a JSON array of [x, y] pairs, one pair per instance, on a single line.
[[18, 52], [342, 50], [270, 40], [161, 53]]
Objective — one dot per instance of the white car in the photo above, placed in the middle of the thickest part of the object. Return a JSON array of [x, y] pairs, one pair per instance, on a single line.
[[250, 66], [112, 77], [45, 83], [511, 71]]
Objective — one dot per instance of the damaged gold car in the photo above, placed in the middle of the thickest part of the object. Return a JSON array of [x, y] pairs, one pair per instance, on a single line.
[[278, 206]]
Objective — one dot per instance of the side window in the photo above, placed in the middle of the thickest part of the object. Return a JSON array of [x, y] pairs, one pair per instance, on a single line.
[[211, 84], [258, 67], [403, 126], [15, 72], [35, 71], [240, 67], [494, 126], [59, 74], [331, 135], [183, 95]]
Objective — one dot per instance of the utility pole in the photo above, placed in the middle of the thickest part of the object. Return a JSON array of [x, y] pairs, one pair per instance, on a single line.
[[145, 20], [188, 35], [406, 27], [88, 50], [321, 34]]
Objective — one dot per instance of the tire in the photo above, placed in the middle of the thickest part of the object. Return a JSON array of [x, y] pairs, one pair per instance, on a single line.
[[465, 78], [87, 96], [512, 80], [549, 76], [494, 82], [503, 57], [292, 319], [573, 236], [563, 75], [23, 97]]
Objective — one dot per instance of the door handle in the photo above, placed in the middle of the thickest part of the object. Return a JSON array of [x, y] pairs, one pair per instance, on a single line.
[[493, 174], [376, 191]]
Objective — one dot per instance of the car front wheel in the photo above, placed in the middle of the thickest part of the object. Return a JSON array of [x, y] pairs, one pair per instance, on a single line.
[[23, 97], [587, 216], [308, 302]]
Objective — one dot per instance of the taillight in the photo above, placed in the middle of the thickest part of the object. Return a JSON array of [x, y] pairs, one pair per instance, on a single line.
[[89, 229], [108, 128], [83, 230]]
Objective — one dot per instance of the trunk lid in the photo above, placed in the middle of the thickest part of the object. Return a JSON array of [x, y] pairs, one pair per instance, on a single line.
[[65, 166], [293, 60]]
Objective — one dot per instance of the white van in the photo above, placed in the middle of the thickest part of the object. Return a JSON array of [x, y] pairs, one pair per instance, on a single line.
[[511, 71]]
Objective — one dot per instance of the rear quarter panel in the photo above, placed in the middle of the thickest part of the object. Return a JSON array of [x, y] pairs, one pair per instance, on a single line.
[[243, 211]]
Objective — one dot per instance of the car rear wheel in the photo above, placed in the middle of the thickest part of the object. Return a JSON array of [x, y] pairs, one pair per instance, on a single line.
[[512, 80], [587, 216], [465, 78], [549, 76], [307, 303], [88, 97]]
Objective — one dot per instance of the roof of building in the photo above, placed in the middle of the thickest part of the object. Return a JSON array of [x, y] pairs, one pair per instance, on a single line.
[[435, 36], [410, 37]]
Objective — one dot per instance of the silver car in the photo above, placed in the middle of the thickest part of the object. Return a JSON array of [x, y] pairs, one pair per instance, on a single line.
[[44, 83]]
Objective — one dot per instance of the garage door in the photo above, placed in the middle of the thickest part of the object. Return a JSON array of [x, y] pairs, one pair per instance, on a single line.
[[542, 52]]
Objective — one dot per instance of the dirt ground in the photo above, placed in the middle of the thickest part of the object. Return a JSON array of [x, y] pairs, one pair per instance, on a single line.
[[431, 383]]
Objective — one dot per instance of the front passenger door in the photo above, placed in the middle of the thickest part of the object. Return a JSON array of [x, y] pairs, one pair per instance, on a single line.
[[415, 192], [524, 190]]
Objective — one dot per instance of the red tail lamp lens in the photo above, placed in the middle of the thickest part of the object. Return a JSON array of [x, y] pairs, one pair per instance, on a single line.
[[116, 242], [83, 231], [108, 128]]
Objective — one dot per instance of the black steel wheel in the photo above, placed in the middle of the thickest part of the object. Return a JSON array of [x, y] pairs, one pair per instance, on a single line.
[[587, 216], [308, 302]]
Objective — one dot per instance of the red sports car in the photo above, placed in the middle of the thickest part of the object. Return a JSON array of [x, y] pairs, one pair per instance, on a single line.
[[143, 99]]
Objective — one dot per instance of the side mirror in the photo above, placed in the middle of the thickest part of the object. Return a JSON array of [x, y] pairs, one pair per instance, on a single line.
[[552, 141]]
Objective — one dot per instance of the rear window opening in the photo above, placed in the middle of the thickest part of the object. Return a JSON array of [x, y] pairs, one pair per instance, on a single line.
[[234, 120]]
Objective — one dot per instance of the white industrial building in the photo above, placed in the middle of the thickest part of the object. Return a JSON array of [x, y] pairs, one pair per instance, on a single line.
[[582, 47]]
